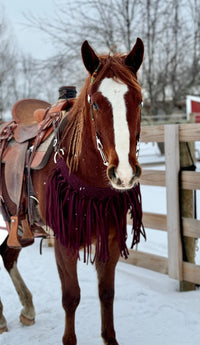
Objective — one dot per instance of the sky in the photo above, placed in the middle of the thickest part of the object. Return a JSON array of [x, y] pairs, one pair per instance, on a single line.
[[29, 40]]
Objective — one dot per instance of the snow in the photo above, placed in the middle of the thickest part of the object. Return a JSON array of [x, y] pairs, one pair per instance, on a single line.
[[149, 309]]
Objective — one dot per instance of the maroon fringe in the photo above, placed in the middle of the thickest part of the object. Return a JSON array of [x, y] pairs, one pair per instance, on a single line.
[[76, 211]]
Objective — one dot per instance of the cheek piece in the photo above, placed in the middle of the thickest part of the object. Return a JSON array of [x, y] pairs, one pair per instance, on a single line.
[[98, 141]]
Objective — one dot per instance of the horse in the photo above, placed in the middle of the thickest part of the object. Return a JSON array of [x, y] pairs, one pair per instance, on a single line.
[[89, 184]]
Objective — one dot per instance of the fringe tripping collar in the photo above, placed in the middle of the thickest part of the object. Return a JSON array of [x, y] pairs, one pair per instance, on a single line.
[[77, 212]]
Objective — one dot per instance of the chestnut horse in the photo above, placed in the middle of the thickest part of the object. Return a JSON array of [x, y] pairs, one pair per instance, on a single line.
[[86, 195]]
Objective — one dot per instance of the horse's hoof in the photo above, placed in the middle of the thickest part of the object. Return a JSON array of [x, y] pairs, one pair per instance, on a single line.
[[26, 321], [3, 329], [110, 342]]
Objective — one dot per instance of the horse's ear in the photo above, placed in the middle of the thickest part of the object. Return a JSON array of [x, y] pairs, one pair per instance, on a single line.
[[89, 57], [135, 57]]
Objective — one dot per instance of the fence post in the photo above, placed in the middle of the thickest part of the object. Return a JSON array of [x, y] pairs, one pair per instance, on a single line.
[[175, 267], [187, 210]]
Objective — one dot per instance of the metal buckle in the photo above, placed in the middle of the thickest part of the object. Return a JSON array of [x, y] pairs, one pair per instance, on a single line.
[[56, 153]]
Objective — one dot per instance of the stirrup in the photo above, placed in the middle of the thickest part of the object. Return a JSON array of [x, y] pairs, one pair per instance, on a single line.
[[27, 237], [13, 239]]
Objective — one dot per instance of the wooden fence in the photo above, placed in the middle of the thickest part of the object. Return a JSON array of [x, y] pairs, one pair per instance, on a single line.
[[174, 265]]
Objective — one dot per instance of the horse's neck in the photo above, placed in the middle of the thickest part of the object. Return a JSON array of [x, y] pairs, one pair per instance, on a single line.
[[91, 166]]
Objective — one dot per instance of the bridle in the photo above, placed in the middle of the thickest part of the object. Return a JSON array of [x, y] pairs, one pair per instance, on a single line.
[[98, 140]]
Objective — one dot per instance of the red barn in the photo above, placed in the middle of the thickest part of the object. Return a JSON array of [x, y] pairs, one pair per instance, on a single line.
[[193, 106]]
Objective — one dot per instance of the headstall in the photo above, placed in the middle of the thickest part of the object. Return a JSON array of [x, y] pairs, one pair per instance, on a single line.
[[98, 140]]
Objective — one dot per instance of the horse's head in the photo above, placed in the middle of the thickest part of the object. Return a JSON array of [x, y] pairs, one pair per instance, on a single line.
[[114, 97]]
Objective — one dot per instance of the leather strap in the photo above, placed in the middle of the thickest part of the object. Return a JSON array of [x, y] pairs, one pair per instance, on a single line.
[[14, 172], [3, 206], [50, 119]]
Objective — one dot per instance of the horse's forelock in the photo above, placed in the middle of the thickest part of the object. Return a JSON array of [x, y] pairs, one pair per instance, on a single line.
[[115, 67]]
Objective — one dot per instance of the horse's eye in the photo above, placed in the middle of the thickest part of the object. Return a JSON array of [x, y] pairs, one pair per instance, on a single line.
[[95, 106], [141, 104]]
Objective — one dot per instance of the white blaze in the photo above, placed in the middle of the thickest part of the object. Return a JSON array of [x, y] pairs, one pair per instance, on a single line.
[[115, 92]]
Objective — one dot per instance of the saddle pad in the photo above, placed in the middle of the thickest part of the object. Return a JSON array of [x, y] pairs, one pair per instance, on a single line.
[[43, 153]]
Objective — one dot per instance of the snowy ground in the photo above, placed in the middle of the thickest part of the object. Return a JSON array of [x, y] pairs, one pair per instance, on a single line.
[[149, 309]]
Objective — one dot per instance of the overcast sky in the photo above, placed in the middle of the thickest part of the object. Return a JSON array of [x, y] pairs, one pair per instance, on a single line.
[[28, 39]]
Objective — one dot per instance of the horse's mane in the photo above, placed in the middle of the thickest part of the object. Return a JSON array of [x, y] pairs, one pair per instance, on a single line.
[[74, 128], [110, 66]]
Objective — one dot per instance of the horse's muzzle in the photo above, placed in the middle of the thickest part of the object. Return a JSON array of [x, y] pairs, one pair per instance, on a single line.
[[123, 181]]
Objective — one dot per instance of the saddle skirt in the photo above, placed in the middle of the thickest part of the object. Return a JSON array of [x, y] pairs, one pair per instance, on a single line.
[[40, 158]]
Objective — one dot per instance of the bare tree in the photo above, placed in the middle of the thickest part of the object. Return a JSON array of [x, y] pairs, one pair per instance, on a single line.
[[169, 29], [8, 64], [21, 76], [193, 7], [108, 25]]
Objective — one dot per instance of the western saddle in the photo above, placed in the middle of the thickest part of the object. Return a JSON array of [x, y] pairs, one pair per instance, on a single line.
[[26, 143]]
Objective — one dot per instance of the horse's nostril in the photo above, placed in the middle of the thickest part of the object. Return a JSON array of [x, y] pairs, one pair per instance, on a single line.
[[111, 173]]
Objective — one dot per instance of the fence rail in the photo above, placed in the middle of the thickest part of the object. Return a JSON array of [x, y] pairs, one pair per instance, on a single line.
[[174, 265]]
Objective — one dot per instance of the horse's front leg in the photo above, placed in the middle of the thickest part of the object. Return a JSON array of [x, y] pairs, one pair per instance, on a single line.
[[106, 277], [3, 323], [10, 256], [67, 268]]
